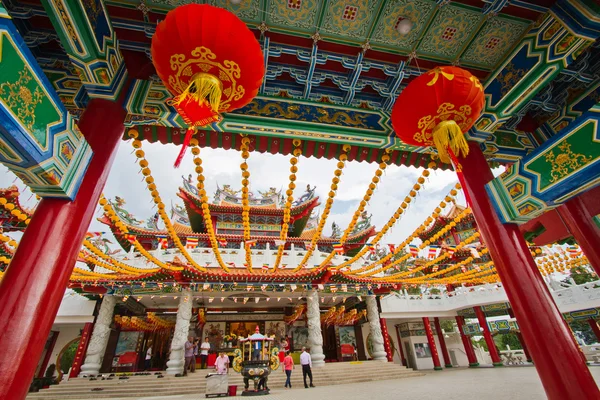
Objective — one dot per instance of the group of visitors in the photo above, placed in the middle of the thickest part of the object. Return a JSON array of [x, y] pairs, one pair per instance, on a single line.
[[305, 362], [191, 349]]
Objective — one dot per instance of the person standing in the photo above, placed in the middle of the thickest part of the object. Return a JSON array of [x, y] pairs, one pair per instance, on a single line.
[[148, 360], [288, 366], [188, 354], [306, 363], [204, 348], [222, 364], [193, 363], [282, 349]]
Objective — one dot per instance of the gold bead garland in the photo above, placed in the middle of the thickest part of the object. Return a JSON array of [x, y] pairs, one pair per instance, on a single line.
[[328, 204], [389, 224], [361, 207], [210, 229], [289, 200], [245, 149], [143, 162]]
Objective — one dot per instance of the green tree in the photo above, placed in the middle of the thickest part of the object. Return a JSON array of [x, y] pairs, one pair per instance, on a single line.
[[583, 327], [66, 360], [507, 339], [581, 275], [447, 325]]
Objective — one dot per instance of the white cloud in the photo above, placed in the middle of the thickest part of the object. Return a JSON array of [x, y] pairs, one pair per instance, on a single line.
[[267, 170]]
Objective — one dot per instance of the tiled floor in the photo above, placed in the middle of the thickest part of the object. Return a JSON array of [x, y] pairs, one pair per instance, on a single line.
[[458, 384]]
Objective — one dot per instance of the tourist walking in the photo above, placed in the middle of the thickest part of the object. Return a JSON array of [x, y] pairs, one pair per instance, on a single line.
[[148, 360], [306, 363], [204, 348], [188, 354], [288, 366], [222, 364]]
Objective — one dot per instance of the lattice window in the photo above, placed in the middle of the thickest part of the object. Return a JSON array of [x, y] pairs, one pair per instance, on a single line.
[[294, 4], [493, 43], [449, 33], [350, 13]]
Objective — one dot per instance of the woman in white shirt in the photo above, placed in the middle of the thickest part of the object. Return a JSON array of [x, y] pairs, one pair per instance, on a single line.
[[204, 348]]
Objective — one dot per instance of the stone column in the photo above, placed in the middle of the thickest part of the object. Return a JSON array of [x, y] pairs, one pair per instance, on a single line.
[[487, 335], [379, 353], [315, 337], [99, 339], [182, 328]]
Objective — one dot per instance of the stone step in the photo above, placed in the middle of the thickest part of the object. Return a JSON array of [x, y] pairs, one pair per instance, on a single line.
[[186, 390], [275, 381], [199, 379]]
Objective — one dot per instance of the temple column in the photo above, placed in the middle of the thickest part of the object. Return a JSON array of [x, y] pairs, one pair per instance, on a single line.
[[386, 340], [434, 354], [402, 359], [99, 339], [182, 330], [489, 340], [594, 325], [315, 337], [562, 371], [84, 342], [379, 352], [469, 351], [440, 333], [581, 224], [520, 337], [32, 287]]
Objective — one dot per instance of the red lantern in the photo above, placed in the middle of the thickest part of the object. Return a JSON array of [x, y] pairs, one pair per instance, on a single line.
[[209, 60], [437, 108]]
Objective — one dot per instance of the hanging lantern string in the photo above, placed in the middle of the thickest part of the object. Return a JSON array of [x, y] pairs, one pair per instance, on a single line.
[[360, 210], [132, 239], [139, 153], [387, 260], [328, 204], [210, 229], [289, 201], [389, 224], [245, 149]]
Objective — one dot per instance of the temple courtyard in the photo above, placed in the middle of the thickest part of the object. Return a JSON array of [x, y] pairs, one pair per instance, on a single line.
[[451, 384]]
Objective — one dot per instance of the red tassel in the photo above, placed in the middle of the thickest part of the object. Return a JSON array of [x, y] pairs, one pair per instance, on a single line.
[[184, 146]]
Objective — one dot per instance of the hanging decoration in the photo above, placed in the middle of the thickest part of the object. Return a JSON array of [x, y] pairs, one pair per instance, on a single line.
[[437, 109], [209, 60]]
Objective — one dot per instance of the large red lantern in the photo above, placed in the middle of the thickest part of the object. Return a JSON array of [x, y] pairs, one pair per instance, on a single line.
[[209, 60], [437, 108]]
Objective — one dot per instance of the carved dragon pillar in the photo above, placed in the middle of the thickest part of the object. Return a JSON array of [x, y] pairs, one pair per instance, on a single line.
[[315, 338], [182, 328], [379, 353], [99, 339]]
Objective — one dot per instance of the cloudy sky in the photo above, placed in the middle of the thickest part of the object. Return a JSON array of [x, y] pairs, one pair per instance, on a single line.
[[222, 166]]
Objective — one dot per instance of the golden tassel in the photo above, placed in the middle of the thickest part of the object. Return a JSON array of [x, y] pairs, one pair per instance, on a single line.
[[447, 135], [203, 87]]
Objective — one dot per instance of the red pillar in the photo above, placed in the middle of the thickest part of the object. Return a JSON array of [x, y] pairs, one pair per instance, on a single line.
[[594, 326], [386, 340], [520, 337], [440, 333], [32, 288], [469, 351], [86, 333], [431, 340], [402, 359], [562, 371], [581, 224], [489, 340], [48, 354]]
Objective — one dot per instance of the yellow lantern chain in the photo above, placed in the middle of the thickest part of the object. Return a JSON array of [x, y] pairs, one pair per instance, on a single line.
[[289, 201], [328, 204], [361, 207], [389, 224], [210, 229], [245, 148]]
